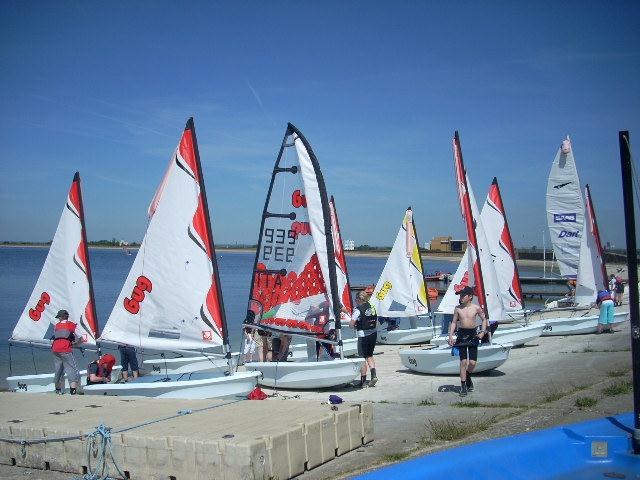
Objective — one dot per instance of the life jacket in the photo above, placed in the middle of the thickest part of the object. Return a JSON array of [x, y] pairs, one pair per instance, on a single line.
[[63, 336], [368, 319], [100, 372]]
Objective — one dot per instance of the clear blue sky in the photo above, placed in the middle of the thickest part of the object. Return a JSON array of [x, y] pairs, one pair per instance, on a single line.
[[377, 87]]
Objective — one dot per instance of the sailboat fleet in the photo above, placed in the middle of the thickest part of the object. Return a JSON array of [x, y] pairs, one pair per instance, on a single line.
[[172, 301]]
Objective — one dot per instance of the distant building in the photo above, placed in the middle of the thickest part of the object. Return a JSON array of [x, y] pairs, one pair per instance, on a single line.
[[447, 244], [349, 245]]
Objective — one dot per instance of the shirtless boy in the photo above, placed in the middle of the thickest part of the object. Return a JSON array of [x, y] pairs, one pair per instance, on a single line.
[[465, 315]]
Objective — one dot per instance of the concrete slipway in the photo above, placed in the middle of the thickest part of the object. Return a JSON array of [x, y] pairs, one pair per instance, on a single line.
[[217, 440]]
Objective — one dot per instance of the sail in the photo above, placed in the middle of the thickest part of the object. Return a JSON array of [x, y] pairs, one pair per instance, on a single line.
[[400, 291], [496, 228], [592, 273], [171, 299], [565, 210], [65, 280], [480, 272], [294, 287], [342, 276]]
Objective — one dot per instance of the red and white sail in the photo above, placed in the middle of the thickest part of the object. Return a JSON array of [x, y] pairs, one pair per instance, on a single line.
[[342, 276], [478, 272], [64, 282], [171, 299], [294, 287], [401, 291], [592, 271]]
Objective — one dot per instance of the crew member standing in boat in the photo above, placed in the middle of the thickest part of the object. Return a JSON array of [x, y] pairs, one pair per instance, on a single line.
[[365, 321], [64, 338], [464, 319]]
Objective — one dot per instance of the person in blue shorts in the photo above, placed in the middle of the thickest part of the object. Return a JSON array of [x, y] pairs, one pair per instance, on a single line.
[[605, 321], [128, 359]]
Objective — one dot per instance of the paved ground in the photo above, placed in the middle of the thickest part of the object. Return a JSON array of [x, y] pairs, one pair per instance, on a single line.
[[536, 388]]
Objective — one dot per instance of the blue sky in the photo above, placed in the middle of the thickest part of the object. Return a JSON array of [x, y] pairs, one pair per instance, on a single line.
[[376, 87]]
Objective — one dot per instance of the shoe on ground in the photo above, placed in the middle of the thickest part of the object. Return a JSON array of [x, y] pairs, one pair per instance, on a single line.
[[373, 381], [463, 390], [59, 392], [469, 385]]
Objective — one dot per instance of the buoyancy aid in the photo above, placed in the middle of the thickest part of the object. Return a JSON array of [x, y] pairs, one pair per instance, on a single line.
[[100, 372], [368, 319], [63, 336]]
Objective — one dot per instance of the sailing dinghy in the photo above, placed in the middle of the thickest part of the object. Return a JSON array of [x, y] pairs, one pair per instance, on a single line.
[[480, 274], [172, 300], [496, 228], [294, 287], [592, 277], [401, 291], [64, 283]]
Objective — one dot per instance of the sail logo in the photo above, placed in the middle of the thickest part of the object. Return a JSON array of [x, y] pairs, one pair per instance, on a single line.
[[298, 200], [564, 217], [559, 186], [569, 234], [207, 335], [300, 228], [386, 286], [132, 305], [36, 313]]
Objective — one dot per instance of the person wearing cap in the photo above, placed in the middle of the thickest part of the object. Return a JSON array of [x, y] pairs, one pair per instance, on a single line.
[[467, 340], [606, 304], [365, 321], [99, 371], [64, 338]]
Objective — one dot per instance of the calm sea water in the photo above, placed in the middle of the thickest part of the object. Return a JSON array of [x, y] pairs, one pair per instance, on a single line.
[[21, 267]]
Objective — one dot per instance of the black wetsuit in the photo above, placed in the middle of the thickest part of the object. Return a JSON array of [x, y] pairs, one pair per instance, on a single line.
[[467, 343]]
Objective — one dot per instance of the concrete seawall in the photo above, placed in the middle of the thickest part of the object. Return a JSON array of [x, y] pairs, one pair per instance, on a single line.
[[217, 440]]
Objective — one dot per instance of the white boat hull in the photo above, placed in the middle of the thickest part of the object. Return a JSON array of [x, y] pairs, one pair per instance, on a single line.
[[298, 351], [184, 386], [200, 363], [306, 375], [43, 383], [516, 336], [410, 336], [439, 361], [578, 325]]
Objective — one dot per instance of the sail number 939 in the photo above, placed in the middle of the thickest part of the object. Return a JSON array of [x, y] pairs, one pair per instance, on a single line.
[[275, 244]]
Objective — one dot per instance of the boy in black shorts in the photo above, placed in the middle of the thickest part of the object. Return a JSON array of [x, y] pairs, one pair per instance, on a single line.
[[464, 319]]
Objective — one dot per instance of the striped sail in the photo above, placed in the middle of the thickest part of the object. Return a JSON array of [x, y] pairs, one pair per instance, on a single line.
[[565, 210], [294, 287], [171, 299], [592, 272], [342, 276], [401, 291], [64, 282]]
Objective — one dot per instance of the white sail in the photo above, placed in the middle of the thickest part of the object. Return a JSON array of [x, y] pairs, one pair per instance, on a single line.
[[400, 291], [591, 272], [170, 298], [342, 276], [565, 210], [64, 282]]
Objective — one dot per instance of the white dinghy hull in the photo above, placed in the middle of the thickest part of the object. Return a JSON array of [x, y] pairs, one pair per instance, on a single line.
[[439, 361], [516, 336], [578, 325], [184, 386], [411, 336], [306, 375], [43, 383], [298, 352], [201, 363]]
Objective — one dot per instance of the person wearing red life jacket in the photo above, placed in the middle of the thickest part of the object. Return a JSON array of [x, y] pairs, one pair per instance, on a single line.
[[99, 371], [64, 338]]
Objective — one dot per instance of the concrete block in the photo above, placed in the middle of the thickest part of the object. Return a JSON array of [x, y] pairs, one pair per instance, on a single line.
[[239, 461], [6, 449], [342, 431], [208, 458], [33, 455], [55, 453], [158, 460], [183, 457], [135, 456], [74, 454], [366, 417]]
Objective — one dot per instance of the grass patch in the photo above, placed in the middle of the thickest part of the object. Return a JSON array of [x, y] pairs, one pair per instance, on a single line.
[[427, 402], [619, 388], [617, 373], [585, 402], [553, 396], [395, 457], [450, 430]]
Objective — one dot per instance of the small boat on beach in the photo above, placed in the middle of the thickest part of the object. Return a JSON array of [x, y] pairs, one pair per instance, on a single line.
[[172, 300], [299, 284], [443, 361], [401, 291], [514, 335]]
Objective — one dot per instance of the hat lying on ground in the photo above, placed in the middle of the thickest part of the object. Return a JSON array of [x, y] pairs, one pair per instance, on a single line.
[[465, 291], [62, 313]]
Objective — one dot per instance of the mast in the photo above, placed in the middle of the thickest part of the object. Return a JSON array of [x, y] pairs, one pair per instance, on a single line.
[[214, 261], [85, 245], [596, 234], [632, 268], [469, 220], [424, 281], [324, 200], [510, 246]]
